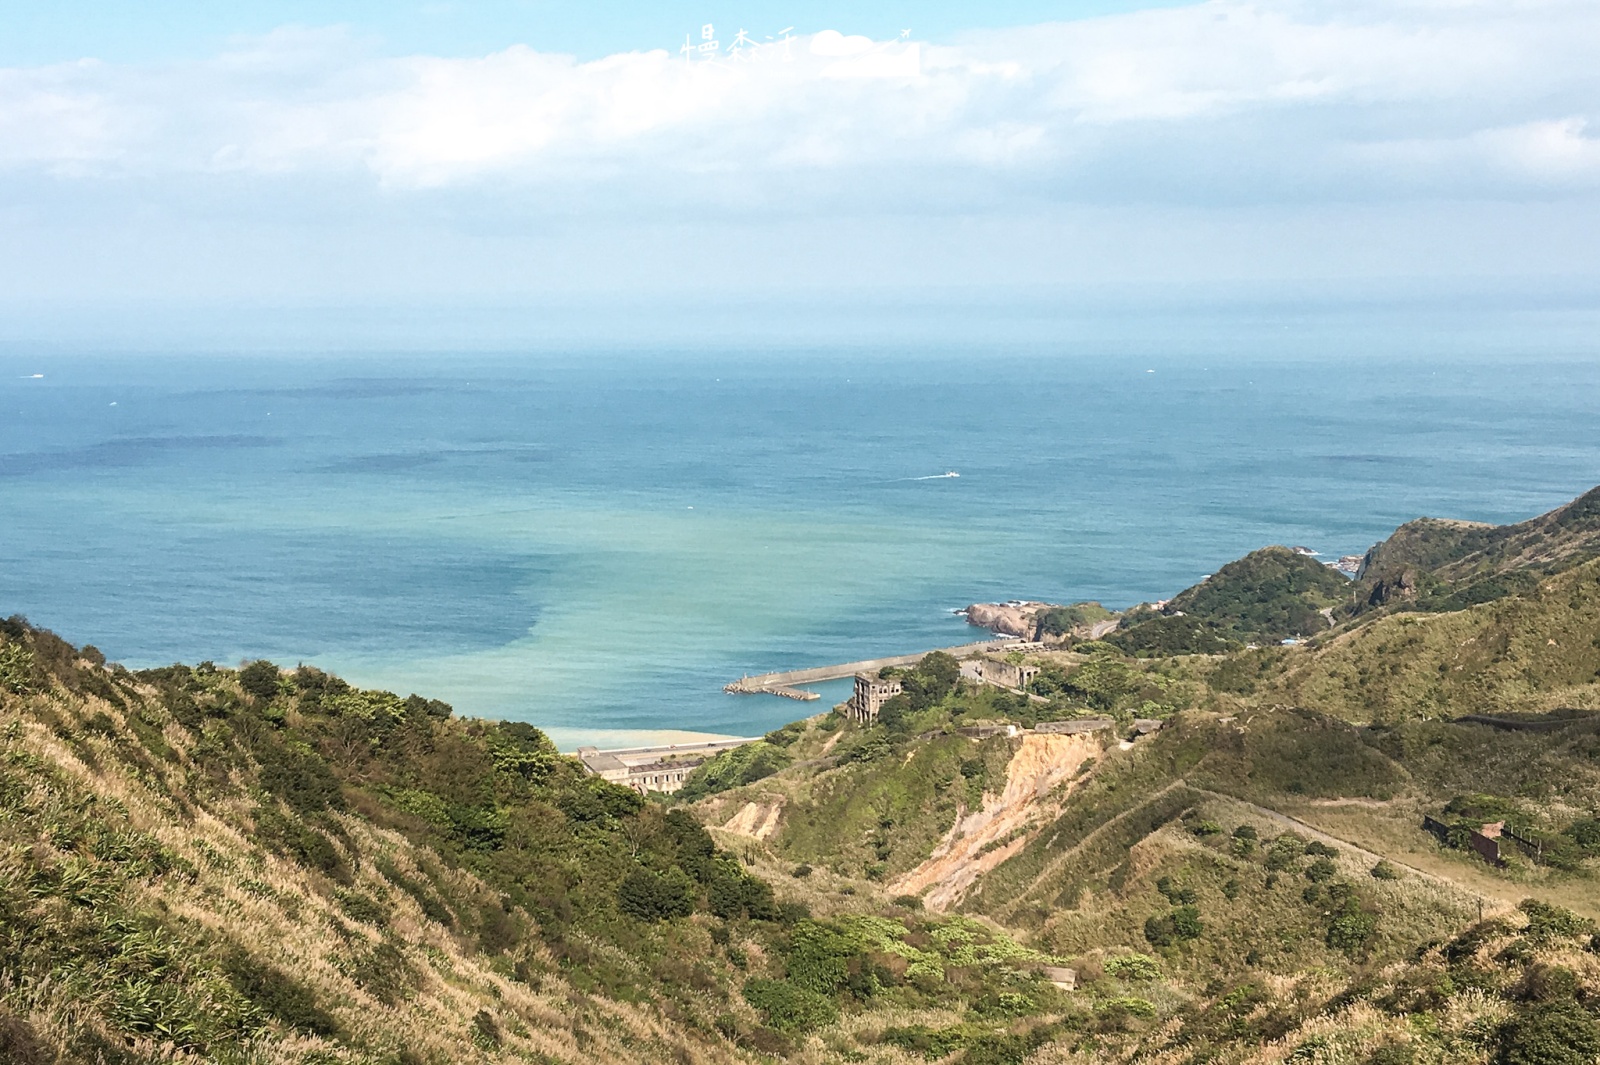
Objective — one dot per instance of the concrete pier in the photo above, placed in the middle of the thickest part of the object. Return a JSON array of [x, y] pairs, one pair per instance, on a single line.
[[770, 683]]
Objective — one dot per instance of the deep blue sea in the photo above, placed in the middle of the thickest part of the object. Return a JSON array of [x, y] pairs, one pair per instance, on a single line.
[[597, 542]]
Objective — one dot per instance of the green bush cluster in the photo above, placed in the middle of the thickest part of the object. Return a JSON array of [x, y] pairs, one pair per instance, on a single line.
[[733, 769], [1108, 685], [1060, 620]]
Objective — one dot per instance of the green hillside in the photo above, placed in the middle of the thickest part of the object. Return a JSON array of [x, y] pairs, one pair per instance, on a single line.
[[1266, 597], [200, 864], [1532, 651], [1433, 564]]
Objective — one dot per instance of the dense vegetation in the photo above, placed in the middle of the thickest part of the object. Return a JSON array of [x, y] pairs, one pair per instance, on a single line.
[[268, 866], [1266, 597], [1059, 620], [1435, 565], [411, 848]]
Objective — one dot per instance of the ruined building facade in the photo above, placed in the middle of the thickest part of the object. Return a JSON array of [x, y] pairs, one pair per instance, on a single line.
[[1001, 674], [870, 695]]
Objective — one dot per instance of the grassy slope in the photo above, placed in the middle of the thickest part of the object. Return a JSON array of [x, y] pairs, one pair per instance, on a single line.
[[1531, 652], [1446, 565], [1356, 774], [1267, 964], [190, 870]]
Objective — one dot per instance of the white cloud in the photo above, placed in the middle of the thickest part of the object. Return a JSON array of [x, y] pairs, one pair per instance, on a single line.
[[1405, 95]]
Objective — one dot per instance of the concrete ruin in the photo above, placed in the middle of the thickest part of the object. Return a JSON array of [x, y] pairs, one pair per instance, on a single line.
[[647, 769], [1078, 726], [1000, 674], [870, 694]]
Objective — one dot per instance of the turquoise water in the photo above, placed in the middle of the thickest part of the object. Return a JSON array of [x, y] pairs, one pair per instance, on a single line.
[[597, 543]]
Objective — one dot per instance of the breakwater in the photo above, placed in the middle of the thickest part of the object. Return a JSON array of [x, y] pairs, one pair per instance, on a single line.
[[786, 682]]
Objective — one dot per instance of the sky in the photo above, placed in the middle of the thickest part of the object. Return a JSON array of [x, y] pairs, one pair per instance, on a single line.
[[199, 157]]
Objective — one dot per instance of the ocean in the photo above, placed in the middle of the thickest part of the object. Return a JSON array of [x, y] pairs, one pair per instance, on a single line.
[[597, 541]]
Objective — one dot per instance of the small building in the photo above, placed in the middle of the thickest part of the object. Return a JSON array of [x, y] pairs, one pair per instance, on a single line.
[[870, 694], [603, 764], [1484, 841], [647, 769]]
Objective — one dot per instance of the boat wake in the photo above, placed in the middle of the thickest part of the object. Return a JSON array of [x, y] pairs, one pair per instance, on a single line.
[[929, 477]]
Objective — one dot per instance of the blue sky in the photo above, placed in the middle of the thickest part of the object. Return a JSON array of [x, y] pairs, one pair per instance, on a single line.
[[534, 155], [187, 29]]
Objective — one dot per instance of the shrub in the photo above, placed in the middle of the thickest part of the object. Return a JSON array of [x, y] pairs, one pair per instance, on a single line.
[[1385, 871], [931, 1043], [485, 1032], [1135, 1007], [1547, 923], [1550, 983], [789, 1008], [1135, 968], [1177, 894], [1181, 924], [260, 680], [1586, 834], [359, 906], [733, 893], [1555, 1033], [384, 972], [649, 896], [1351, 928], [416, 704], [1320, 870], [786, 735], [1186, 923], [16, 668], [1286, 851]]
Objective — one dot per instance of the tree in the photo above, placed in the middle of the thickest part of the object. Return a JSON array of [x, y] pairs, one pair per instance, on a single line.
[[892, 714], [260, 679], [1186, 923], [931, 680], [1351, 928], [650, 896]]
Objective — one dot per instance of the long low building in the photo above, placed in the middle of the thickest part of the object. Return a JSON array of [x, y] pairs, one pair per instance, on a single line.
[[647, 769]]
